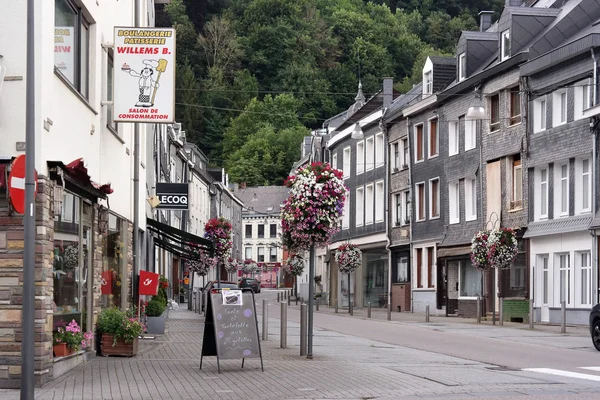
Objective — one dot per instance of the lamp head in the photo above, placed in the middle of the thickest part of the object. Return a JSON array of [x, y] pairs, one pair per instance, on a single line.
[[357, 133]]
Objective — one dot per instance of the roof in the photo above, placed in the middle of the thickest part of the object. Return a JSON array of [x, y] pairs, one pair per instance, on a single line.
[[476, 35], [263, 199], [533, 11], [556, 226], [403, 100], [438, 60]]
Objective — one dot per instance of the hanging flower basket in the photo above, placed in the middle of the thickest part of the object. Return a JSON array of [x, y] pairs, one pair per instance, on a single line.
[[71, 256], [202, 264], [494, 249], [312, 213], [218, 230], [348, 258], [249, 266], [231, 265], [295, 265], [479, 251]]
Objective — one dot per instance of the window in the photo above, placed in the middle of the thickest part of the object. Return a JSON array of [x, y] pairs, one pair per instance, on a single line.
[[515, 106], [273, 254], [453, 141], [454, 202], [428, 82], [419, 139], [586, 182], [370, 157], [564, 283], [261, 231], [398, 209], [434, 198], [71, 45], [469, 280], [261, 254], [402, 271], [405, 154], [395, 156], [495, 113], [369, 204], [544, 193], [505, 45], [273, 230], [419, 257], [334, 163], [430, 267], [360, 157], [248, 253], [470, 199], [462, 66], [543, 261], [586, 278], [379, 159], [470, 132], [562, 190], [360, 206], [433, 138], [582, 98], [379, 201], [248, 231], [109, 94], [559, 107], [346, 216], [539, 117], [420, 201], [406, 208], [517, 184], [347, 162]]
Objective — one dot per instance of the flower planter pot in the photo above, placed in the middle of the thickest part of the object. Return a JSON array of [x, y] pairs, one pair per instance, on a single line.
[[120, 348], [60, 350], [156, 325]]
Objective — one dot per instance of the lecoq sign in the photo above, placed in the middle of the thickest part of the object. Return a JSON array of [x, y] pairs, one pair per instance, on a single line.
[[172, 196]]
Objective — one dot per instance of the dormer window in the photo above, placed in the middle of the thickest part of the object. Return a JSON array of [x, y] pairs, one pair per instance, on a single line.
[[462, 67], [505, 45], [428, 82]]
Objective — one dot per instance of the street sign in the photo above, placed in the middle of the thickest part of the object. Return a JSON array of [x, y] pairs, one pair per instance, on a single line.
[[16, 184], [144, 75], [148, 283], [172, 196]]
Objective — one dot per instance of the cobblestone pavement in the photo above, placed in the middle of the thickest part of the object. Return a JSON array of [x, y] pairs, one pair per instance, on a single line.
[[344, 367]]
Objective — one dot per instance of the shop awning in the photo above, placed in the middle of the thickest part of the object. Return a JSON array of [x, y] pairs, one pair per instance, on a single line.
[[177, 241], [443, 252], [76, 173]]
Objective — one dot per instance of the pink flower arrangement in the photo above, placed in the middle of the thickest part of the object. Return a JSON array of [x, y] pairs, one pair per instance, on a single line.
[[494, 249], [218, 230], [312, 213], [72, 336], [295, 265], [348, 257], [202, 263], [231, 265], [249, 266]]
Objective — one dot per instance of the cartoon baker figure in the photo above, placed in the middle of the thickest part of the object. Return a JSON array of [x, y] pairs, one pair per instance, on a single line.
[[146, 80]]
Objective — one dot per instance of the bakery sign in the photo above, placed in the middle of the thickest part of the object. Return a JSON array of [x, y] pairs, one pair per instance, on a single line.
[[144, 75], [172, 196]]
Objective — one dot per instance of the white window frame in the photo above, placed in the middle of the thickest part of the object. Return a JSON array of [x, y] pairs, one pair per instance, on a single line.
[[583, 289], [543, 261], [427, 82], [560, 284], [404, 155], [379, 201], [370, 153], [347, 161], [406, 207], [453, 138], [260, 252], [415, 135], [454, 203], [346, 215], [334, 163], [379, 150], [246, 253], [418, 200], [539, 114], [559, 107], [543, 193], [586, 179], [582, 98], [505, 47], [360, 206], [369, 203], [516, 184], [561, 189], [471, 199], [437, 138], [462, 67], [360, 157], [397, 217], [434, 214], [395, 157], [470, 134]]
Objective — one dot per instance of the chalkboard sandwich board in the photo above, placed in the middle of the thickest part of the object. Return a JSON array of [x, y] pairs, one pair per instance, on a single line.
[[231, 327]]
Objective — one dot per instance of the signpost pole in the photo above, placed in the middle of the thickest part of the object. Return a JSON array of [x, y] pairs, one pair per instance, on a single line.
[[136, 184], [311, 296], [28, 344]]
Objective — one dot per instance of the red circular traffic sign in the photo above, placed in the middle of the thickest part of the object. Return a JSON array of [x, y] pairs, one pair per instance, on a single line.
[[16, 184]]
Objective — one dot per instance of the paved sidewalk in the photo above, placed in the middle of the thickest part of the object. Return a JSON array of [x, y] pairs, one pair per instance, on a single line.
[[344, 367]]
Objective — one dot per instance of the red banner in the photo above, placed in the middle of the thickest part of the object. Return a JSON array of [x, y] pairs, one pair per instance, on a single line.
[[107, 282], [148, 283]]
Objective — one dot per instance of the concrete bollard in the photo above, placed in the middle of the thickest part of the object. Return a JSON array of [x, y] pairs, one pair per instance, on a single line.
[[531, 315], [317, 302], [296, 300], [369, 310], [351, 309], [478, 309], [303, 328], [336, 306], [265, 319], [283, 326], [563, 312], [426, 313], [501, 304], [389, 312], [278, 297]]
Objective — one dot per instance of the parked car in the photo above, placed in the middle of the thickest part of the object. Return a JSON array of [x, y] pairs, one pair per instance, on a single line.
[[250, 283], [215, 285], [595, 326]]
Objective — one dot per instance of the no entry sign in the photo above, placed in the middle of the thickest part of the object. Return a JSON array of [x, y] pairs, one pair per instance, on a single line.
[[16, 184]]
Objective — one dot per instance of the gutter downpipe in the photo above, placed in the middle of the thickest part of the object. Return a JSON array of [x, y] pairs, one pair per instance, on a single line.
[[386, 185], [594, 176], [412, 202]]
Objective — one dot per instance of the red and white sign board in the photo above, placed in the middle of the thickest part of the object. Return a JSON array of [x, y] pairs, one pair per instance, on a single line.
[[148, 283], [144, 75], [16, 184]]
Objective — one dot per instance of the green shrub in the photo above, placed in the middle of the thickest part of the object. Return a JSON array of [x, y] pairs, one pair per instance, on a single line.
[[155, 307], [115, 322]]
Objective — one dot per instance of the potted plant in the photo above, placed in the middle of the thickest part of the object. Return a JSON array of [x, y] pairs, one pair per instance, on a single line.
[[69, 339], [181, 295], [155, 320], [119, 333]]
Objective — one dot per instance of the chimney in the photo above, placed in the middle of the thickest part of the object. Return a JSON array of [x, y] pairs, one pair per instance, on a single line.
[[388, 92], [513, 3], [243, 185], [485, 20]]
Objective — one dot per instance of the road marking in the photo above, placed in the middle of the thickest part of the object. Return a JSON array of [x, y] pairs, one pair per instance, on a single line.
[[591, 368], [305, 389], [566, 374]]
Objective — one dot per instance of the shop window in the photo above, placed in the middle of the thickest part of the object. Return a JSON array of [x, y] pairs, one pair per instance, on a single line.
[[114, 258], [470, 280], [402, 271]]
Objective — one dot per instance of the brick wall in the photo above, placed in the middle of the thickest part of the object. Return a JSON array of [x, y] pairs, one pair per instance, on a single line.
[[401, 296], [467, 308]]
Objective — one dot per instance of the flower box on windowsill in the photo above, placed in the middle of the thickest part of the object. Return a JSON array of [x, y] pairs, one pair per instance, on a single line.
[[120, 348]]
